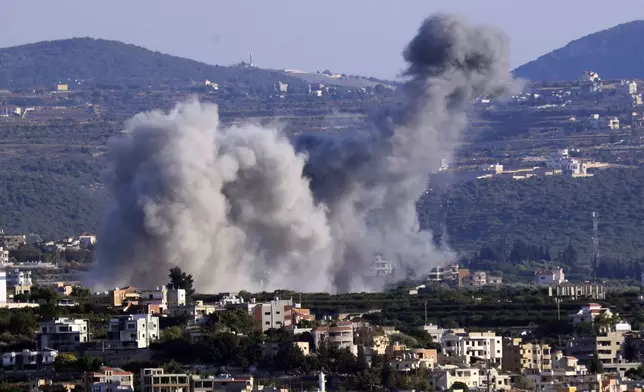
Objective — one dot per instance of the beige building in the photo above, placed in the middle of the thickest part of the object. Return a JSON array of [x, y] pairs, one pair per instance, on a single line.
[[445, 377], [109, 379], [156, 380], [519, 356], [610, 347], [338, 336]]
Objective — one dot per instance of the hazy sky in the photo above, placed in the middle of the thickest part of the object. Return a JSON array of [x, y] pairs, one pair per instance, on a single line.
[[348, 36]]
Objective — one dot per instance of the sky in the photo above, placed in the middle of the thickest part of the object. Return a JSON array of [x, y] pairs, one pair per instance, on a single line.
[[363, 37]]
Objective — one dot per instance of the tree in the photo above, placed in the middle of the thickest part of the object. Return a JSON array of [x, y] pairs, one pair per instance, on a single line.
[[459, 386], [65, 362], [181, 280], [171, 333]]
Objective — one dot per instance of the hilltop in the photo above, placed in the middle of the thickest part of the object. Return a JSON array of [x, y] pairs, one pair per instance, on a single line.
[[615, 53], [103, 62]]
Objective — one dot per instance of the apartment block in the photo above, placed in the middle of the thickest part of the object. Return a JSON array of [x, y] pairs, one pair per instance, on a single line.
[[156, 380], [134, 331], [473, 346], [109, 379], [63, 334], [28, 359], [406, 360], [519, 356], [339, 337], [275, 314]]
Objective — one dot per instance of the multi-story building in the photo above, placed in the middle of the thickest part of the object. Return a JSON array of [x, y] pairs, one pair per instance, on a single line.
[[109, 379], [134, 331], [87, 239], [274, 314], [589, 313], [63, 334], [416, 358], [176, 297], [610, 347], [124, 296], [444, 377], [197, 312], [4, 256], [156, 380], [447, 274], [28, 359], [519, 356], [482, 346], [227, 383], [12, 241], [383, 267], [157, 297], [339, 337], [17, 277]]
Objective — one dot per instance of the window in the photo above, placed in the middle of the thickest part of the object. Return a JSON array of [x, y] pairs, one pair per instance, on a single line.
[[277, 312], [267, 313], [268, 323]]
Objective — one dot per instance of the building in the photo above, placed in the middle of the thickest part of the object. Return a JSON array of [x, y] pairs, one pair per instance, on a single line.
[[338, 337], [550, 277], [576, 291], [18, 277], [589, 313], [282, 87], [197, 312], [28, 359], [226, 383], [383, 267], [613, 123], [63, 334], [134, 331], [275, 314], [478, 278], [444, 377], [62, 87], [156, 380], [109, 379], [610, 347], [473, 346], [406, 360], [443, 274], [3, 286], [87, 239], [4, 256], [156, 298], [124, 296], [519, 356], [176, 297], [12, 241]]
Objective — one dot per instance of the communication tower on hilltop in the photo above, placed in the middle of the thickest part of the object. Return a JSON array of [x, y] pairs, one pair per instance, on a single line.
[[595, 249], [250, 58]]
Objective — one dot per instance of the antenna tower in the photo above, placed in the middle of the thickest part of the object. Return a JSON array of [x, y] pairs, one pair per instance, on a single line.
[[595, 255]]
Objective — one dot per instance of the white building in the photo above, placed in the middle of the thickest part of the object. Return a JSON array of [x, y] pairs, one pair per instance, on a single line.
[[28, 358], [443, 273], [550, 277], [87, 239], [383, 267], [587, 314], [109, 379], [63, 334], [155, 297], [19, 278], [197, 312], [4, 256], [3, 286], [275, 314], [484, 346], [134, 331], [176, 297]]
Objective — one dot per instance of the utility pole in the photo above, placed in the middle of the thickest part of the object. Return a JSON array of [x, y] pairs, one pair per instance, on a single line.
[[558, 302]]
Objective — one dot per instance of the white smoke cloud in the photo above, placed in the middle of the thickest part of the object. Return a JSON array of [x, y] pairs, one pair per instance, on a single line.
[[246, 208]]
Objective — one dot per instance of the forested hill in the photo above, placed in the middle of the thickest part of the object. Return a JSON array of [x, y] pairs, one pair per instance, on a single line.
[[552, 210], [615, 53], [98, 61]]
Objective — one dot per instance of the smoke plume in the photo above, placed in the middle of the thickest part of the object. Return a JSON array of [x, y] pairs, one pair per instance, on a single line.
[[247, 208]]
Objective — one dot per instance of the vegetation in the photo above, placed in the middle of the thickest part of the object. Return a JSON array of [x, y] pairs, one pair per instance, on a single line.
[[114, 64], [181, 280], [608, 52], [549, 212]]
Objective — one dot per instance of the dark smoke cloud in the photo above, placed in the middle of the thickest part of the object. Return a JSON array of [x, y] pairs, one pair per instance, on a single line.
[[245, 208]]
